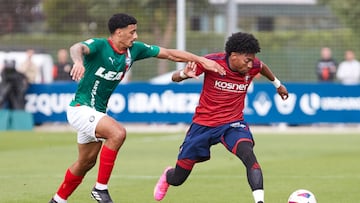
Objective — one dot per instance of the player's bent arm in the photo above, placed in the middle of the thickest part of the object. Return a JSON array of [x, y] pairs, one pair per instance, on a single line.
[[184, 56], [281, 89], [76, 53], [265, 71]]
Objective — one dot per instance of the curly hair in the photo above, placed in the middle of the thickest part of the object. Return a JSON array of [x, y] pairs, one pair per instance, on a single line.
[[120, 20], [243, 43]]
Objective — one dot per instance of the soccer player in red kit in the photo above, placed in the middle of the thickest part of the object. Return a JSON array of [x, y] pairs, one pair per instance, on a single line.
[[219, 117]]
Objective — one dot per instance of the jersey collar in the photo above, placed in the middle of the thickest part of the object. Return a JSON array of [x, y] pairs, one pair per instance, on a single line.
[[116, 49]]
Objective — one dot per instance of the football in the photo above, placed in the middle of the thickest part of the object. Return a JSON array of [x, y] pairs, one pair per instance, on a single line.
[[302, 196]]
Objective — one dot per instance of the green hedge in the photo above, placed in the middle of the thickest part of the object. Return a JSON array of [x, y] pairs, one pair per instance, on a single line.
[[292, 55]]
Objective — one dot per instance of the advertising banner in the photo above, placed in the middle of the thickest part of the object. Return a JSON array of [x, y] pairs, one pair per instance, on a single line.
[[174, 103]]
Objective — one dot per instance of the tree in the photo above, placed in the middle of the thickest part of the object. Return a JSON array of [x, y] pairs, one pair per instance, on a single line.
[[163, 22], [157, 17], [347, 10], [16, 14], [67, 15]]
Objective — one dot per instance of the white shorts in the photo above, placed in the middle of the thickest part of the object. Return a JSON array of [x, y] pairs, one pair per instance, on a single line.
[[84, 119]]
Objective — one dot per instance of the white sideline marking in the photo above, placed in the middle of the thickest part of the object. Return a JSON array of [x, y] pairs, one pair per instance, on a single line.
[[214, 177], [281, 128], [163, 138]]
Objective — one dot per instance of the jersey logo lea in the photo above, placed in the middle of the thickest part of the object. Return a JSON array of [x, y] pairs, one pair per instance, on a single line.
[[108, 75]]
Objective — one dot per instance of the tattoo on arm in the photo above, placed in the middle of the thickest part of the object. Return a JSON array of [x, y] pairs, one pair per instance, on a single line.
[[77, 51]]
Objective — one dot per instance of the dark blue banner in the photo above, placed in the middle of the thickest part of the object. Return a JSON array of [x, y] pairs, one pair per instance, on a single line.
[[173, 103]]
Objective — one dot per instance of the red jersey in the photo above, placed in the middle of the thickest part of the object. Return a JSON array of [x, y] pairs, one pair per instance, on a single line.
[[222, 97]]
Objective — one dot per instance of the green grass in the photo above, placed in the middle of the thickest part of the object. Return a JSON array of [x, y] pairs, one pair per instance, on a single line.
[[33, 165]]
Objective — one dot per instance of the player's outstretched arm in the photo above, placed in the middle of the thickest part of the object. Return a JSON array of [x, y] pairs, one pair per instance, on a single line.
[[184, 56], [188, 72], [280, 88]]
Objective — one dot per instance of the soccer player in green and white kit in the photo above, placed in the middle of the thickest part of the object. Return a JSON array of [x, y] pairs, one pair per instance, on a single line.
[[99, 65]]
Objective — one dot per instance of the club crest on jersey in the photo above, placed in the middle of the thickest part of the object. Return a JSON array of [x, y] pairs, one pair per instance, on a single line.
[[128, 62], [247, 78]]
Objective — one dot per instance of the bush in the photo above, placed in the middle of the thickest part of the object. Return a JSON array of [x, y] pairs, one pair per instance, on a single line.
[[291, 55]]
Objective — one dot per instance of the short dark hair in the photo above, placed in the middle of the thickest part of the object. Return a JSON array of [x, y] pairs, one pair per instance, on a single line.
[[243, 43], [120, 20]]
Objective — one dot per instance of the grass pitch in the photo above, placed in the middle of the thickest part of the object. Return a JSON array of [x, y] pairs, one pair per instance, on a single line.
[[33, 165]]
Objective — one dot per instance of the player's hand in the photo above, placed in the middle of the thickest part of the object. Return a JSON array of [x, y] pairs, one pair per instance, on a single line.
[[77, 72], [282, 91], [212, 66], [190, 70]]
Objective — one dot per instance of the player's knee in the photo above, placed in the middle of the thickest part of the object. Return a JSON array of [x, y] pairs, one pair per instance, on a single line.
[[246, 154], [119, 135]]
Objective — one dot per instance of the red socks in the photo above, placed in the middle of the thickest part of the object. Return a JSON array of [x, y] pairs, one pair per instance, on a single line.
[[107, 161], [69, 184]]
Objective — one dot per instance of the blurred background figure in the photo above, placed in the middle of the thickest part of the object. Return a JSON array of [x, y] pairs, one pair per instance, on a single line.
[[30, 69], [13, 86], [326, 66], [62, 67], [349, 70]]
